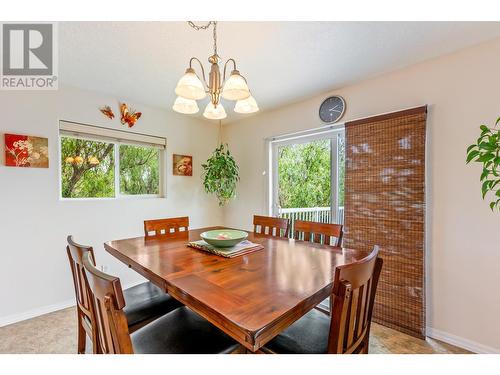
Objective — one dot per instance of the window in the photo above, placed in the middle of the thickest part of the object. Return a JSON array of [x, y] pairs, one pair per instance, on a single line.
[[307, 176], [102, 166]]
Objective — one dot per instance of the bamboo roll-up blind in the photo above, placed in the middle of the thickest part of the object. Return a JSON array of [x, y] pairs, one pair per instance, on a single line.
[[385, 206]]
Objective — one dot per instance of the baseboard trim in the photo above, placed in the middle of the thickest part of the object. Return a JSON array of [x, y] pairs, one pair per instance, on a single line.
[[460, 342], [33, 313]]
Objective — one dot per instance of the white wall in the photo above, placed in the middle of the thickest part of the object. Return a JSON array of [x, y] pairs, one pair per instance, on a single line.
[[463, 260], [34, 222]]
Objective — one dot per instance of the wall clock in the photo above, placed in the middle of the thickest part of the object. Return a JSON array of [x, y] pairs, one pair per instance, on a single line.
[[332, 109]]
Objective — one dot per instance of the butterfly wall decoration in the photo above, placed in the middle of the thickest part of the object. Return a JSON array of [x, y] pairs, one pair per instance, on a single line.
[[108, 112], [128, 115]]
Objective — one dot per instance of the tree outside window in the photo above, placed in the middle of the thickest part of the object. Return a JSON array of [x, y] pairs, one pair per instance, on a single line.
[[88, 169]]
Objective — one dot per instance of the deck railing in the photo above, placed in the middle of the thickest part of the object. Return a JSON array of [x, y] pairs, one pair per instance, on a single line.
[[318, 214]]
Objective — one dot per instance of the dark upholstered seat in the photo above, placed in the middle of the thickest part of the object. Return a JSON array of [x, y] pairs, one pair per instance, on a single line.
[[308, 335], [181, 331], [145, 302]]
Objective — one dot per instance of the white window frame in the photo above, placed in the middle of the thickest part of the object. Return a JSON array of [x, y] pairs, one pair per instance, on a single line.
[[332, 132], [68, 129]]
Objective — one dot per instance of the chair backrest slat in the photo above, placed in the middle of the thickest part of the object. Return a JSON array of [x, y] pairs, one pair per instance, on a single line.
[[272, 226], [84, 305], [322, 233], [75, 255], [108, 301], [166, 227], [353, 298]]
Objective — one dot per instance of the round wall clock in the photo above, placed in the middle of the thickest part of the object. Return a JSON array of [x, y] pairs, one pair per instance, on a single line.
[[332, 109]]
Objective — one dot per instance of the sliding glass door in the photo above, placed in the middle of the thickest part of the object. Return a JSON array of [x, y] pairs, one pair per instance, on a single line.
[[308, 177]]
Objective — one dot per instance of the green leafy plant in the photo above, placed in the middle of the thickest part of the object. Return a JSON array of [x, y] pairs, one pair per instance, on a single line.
[[487, 152], [221, 174]]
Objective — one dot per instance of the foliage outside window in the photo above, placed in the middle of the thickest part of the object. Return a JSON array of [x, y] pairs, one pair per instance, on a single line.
[[304, 174], [89, 169], [139, 170]]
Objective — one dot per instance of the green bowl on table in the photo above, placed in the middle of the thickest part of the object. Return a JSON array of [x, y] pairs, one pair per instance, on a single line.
[[224, 237]]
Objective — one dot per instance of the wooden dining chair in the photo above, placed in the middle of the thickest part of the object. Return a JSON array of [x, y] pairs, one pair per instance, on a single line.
[[322, 233], [145, 302], [347, 331], [180, 331], [85, 321], [272, 226], [166, 227]]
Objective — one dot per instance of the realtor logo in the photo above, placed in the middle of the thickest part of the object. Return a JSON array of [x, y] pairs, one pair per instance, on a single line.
[[28, 56]]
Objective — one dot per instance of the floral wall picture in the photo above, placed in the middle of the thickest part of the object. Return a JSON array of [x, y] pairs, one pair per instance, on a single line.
[[183, 165], [26, 151]]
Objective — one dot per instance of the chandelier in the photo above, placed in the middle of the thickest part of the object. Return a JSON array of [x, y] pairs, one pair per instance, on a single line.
[[190, 88]]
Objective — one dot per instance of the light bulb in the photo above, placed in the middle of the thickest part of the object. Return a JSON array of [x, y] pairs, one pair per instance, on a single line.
[[235, 87], [248, 105], [185, 106], [190, 86], [214, 113]]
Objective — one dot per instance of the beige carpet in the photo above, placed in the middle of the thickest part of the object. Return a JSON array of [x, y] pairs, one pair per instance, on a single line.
[[56, 333]]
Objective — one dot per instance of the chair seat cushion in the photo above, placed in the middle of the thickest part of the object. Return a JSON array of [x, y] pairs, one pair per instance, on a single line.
[[308, 335], [145, 302], [181, 332]]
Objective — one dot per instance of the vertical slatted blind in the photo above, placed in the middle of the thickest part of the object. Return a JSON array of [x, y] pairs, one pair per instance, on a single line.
[[385, 206]]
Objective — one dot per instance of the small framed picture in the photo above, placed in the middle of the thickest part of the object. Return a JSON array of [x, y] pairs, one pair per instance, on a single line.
[[183, 165], [26, 151]]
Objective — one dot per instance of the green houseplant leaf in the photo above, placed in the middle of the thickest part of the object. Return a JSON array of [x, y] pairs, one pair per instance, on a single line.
[[221, 175], [487, 152]]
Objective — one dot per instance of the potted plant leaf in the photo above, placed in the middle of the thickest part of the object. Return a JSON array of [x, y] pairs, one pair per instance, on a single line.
[[221, 174], [487, 152]]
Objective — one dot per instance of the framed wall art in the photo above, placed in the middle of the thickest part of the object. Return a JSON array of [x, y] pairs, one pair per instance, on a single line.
[[183, 165], [26, 151]]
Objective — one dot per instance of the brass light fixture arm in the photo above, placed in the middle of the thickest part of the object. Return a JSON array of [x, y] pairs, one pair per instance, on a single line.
[[201, 66], [225, 66]]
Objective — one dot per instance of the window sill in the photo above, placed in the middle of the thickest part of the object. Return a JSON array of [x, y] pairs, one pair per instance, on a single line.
[[119, 198]]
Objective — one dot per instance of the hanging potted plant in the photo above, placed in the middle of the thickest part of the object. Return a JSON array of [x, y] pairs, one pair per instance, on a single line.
[[487, 152], [221, 174]]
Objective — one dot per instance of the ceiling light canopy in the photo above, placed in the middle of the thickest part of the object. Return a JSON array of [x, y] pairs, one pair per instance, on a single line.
[[190, 88]]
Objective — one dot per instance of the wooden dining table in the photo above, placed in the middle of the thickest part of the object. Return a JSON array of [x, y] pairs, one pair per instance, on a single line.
[[252, 297]]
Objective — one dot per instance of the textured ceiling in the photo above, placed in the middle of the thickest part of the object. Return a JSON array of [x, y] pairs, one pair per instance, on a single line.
[[282, 61]]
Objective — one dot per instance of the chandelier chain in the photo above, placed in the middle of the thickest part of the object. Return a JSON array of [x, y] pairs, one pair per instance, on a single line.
[[205, 27], [215, 37]]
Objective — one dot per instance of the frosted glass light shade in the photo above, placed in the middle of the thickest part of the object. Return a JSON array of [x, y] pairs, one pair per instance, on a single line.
[[190, 86], [215, 113], [185, 106], [248, 105], [235, 87]]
